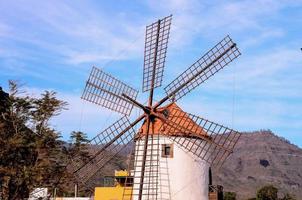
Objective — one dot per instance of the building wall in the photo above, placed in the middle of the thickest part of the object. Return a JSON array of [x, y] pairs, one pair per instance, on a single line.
[[112, 193], [183, 176]]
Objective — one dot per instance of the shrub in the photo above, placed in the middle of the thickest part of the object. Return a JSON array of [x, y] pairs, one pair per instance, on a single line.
[[229, 196], [268, 192]]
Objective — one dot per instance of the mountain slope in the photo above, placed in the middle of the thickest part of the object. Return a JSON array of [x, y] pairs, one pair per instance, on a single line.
[[262, 158]]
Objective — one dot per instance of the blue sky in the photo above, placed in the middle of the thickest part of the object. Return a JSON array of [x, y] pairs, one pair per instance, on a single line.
[[52, 45]]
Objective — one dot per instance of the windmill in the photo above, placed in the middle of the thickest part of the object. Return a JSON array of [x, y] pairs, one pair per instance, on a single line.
[[170, 142]]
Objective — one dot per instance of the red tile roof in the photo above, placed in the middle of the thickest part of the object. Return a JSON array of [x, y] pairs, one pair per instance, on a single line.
[[182, 124]]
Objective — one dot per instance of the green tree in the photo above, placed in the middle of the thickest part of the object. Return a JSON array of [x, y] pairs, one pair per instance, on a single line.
[[79, 153], [32, 154], [268, 192], [229, 196], [78, 146], [17, 143]]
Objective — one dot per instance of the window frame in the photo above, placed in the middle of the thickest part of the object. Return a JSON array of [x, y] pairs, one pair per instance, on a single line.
[[163, 151]]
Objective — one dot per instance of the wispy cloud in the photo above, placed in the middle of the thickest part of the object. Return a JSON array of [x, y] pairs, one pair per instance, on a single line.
[[263, 74], [250, 21], [87, 36]]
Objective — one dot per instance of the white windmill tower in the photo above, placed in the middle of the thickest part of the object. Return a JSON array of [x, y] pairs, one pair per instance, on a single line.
[[170, 171], [173, 149]]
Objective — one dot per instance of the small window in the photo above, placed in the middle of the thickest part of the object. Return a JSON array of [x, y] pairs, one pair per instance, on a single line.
[[167, 151]]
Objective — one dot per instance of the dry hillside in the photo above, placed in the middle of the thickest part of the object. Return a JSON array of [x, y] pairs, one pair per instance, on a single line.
[[262, 158]]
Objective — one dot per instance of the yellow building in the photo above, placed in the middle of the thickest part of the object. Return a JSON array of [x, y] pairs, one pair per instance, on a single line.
[[122, 187]]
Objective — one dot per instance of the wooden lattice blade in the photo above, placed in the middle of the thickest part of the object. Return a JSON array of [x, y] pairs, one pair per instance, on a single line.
[[156, 44], [207, 140], [209, 64], [105, 90], [105, 146], [151, 178]]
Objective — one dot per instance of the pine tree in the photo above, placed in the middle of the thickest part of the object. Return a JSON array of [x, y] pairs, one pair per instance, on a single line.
[[32, 154]]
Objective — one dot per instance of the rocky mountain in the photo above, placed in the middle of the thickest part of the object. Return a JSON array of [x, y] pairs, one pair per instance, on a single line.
[[261, 158]]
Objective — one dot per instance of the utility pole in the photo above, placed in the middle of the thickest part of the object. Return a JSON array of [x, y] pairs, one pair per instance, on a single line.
[[75, 190], [55, 193]]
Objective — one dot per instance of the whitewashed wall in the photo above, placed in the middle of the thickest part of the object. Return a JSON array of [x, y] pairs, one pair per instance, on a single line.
[[183, 177]]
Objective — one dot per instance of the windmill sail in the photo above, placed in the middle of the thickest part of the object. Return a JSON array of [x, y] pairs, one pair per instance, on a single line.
[[209, 64], [103, 147], [150, 183], [207, 140], [105, 90], [156, 44]]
